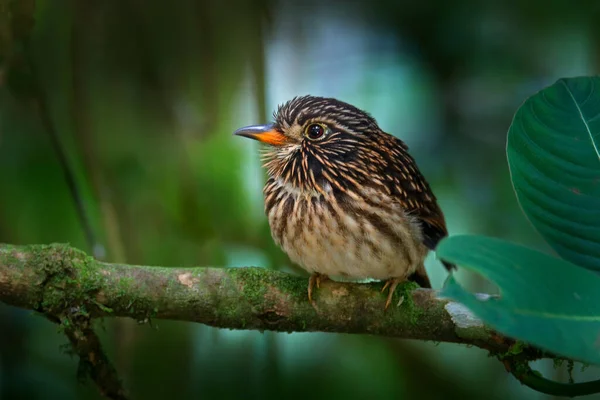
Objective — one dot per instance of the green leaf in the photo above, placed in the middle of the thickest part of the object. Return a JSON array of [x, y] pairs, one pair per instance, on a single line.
[[553, 155], [545, 301]]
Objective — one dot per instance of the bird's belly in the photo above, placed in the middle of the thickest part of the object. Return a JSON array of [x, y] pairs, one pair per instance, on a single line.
[[347, 242], [340, 257]]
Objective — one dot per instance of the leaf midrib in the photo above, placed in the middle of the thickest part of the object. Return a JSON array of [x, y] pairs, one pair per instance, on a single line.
[[587, 127]]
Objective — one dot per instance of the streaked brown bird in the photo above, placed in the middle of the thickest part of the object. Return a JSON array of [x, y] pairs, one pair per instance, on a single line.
[[345, 199]]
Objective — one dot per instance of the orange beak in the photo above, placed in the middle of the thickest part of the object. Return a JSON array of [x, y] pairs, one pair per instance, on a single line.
[[263, 133]]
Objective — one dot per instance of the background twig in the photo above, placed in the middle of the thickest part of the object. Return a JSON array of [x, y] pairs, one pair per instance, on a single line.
[[93, 362]]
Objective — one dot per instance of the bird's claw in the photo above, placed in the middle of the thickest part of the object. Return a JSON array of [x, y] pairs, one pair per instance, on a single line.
[[392, 284], [315, 278]]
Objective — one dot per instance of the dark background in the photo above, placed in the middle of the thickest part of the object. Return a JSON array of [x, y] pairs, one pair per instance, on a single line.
[[144, 96]]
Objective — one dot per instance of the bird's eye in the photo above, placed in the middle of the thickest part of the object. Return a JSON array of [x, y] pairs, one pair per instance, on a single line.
[[315, 131]]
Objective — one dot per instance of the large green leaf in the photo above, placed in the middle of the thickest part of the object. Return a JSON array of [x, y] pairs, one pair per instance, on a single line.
[[553, 155], [544, 300]]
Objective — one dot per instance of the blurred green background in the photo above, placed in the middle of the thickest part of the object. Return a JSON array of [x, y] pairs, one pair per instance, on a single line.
[[143, 98]]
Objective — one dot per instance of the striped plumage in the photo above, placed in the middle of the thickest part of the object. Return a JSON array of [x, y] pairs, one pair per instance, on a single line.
[[343, 198]]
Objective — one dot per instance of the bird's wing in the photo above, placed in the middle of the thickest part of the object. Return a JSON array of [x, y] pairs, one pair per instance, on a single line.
[[412, 191]]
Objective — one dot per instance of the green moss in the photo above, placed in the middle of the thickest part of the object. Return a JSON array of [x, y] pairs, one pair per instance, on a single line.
[[124, 286], [404, 290], [516, 348], [409, 312], [292, 285], [253, 283], [69, 279]]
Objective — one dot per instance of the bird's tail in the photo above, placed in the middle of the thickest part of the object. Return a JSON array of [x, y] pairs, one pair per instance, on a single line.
[[420, 277], [449, 266]]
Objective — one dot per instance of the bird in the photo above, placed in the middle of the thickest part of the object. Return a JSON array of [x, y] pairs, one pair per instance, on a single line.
[[343, 198]]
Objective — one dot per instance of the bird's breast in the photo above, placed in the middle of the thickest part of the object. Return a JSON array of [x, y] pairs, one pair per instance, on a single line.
[[351, 234]]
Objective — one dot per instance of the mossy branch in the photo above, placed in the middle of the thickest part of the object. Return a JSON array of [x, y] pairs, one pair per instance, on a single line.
[[55, 279], [66, 284]]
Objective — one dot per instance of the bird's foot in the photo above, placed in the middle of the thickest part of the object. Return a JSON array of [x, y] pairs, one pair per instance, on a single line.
[[315, 278], [392, 284]]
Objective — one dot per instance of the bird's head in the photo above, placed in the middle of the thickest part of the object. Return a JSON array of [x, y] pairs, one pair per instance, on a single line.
[[315, 141]]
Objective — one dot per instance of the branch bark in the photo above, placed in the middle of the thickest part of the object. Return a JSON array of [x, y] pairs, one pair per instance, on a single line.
[[66, 284], [56, 279]]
